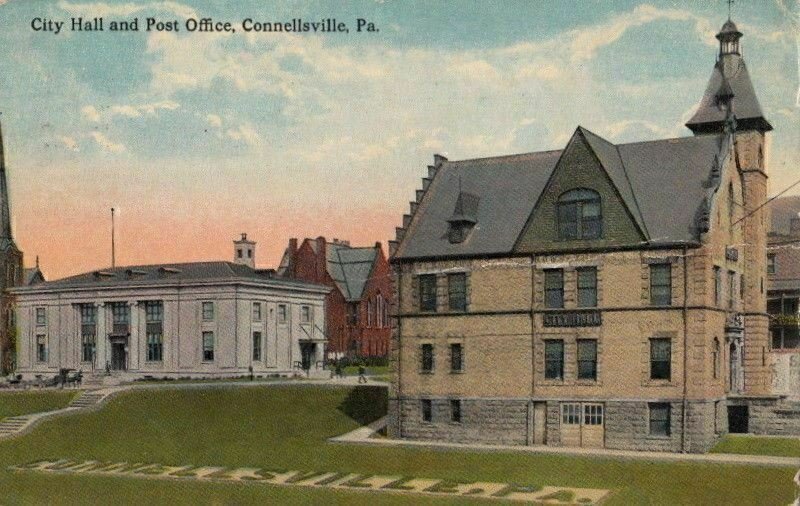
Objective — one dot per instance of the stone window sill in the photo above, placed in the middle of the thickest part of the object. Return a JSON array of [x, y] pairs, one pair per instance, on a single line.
[[426, 373], [656, 437], [460, 371]]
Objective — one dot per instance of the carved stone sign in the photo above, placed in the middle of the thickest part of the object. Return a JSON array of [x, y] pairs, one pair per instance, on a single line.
[[573, 319]]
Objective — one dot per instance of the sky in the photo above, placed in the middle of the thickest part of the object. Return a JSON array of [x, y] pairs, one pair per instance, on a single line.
[[197, 137]]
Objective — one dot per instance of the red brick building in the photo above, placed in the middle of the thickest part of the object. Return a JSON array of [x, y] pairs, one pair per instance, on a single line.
[[358, 306]]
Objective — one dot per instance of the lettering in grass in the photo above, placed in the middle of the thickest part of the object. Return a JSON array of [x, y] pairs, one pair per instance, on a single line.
[[323, 479]]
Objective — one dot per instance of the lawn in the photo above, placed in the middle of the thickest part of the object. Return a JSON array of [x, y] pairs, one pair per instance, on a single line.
[[286, 427], [754, 445], [25, 402]]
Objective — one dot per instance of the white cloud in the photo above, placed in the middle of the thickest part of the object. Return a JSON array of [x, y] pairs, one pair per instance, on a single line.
[[129, 111], [90, 113], [67, 141], [245, 133], [107, 144], [214, 120]]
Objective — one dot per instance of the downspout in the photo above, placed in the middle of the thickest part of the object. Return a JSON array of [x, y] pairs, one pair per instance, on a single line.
[[398, 393], [685, 346], [531, 410]]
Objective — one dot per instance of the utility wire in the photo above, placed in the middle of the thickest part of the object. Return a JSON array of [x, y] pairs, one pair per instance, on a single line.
[[767, 202]]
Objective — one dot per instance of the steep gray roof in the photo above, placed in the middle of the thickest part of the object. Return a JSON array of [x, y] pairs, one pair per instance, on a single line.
[[170, 274], [350, 268], [711, 113], [31, 276], [508, 187], [661, 182]]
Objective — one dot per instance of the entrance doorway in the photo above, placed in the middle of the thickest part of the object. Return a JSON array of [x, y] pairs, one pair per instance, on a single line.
[[582, 424], [119, 356], [308, 353], [539, 423], [738, 419]]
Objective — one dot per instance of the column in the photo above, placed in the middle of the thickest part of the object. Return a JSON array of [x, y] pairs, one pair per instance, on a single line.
[[132, 351], [101, 338]]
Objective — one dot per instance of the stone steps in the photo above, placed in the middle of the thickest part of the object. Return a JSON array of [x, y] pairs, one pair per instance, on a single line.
[[86, 399], [12, 425]]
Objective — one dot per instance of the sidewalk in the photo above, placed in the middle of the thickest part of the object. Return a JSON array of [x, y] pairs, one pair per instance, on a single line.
[[364, 435]]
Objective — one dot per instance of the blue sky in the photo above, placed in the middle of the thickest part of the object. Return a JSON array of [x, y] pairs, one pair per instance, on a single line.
[[196, 137]]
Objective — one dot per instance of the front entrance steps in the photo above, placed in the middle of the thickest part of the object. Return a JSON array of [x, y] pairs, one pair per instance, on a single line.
[[12, 425]]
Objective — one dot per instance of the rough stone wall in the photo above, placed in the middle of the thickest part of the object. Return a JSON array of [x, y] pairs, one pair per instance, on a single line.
[[489, 421], [774, 417]]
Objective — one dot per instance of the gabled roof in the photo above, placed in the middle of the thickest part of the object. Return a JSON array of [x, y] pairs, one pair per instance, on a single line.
[[711, 113], [350, 268], [609, 157], [663, 184], [508, 187], [170, 274], [32, 276]]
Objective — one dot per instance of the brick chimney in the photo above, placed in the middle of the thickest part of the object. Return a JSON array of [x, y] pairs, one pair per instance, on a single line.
[[290, 268], [322, 258]]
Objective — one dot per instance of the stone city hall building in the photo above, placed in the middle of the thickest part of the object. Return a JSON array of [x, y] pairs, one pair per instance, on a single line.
[[602, 295]]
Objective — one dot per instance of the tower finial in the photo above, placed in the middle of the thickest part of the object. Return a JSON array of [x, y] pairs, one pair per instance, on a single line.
[[730, 6]]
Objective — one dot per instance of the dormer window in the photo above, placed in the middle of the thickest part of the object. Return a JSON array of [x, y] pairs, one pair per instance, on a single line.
[[579, 215], [464, 218]]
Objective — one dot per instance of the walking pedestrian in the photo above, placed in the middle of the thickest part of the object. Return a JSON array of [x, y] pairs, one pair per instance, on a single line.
[[362, 371]]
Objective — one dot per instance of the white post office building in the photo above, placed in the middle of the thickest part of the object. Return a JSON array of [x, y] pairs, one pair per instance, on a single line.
[[206, 319]]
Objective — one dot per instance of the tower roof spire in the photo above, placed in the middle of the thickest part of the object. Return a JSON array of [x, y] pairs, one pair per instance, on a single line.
[[729, 87], [5, 209]]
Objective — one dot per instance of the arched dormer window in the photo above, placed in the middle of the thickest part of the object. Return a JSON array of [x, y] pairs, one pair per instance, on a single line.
[[579, 215]]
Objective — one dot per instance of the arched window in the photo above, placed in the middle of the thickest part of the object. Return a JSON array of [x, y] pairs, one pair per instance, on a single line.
[[380, 309], [579, 215]]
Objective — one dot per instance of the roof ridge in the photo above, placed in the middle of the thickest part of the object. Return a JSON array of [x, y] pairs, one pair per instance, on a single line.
[[633, 192], [498, 157], [344, 275]]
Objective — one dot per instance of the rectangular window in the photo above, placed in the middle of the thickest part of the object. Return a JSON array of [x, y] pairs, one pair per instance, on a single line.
[[717, 286], [587, 359], [41, 316], [661, 284], [427, 410], [554, 359], [731, 289], [208, 346], [587, 287], [770, 263], [427, 358], [571, 413], [554, 288], [282, 313], [41, 348], [457, 291], [660, 358], [208, 311], [659, 419], [305, 314], [427, 292], [455, 410], [121, 317], [456, 357], [88, 332], [154, 316], [257, 311], [256, 346]]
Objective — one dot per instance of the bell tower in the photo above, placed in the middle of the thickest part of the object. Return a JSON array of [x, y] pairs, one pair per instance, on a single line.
[[244, 251], [730, 106]]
